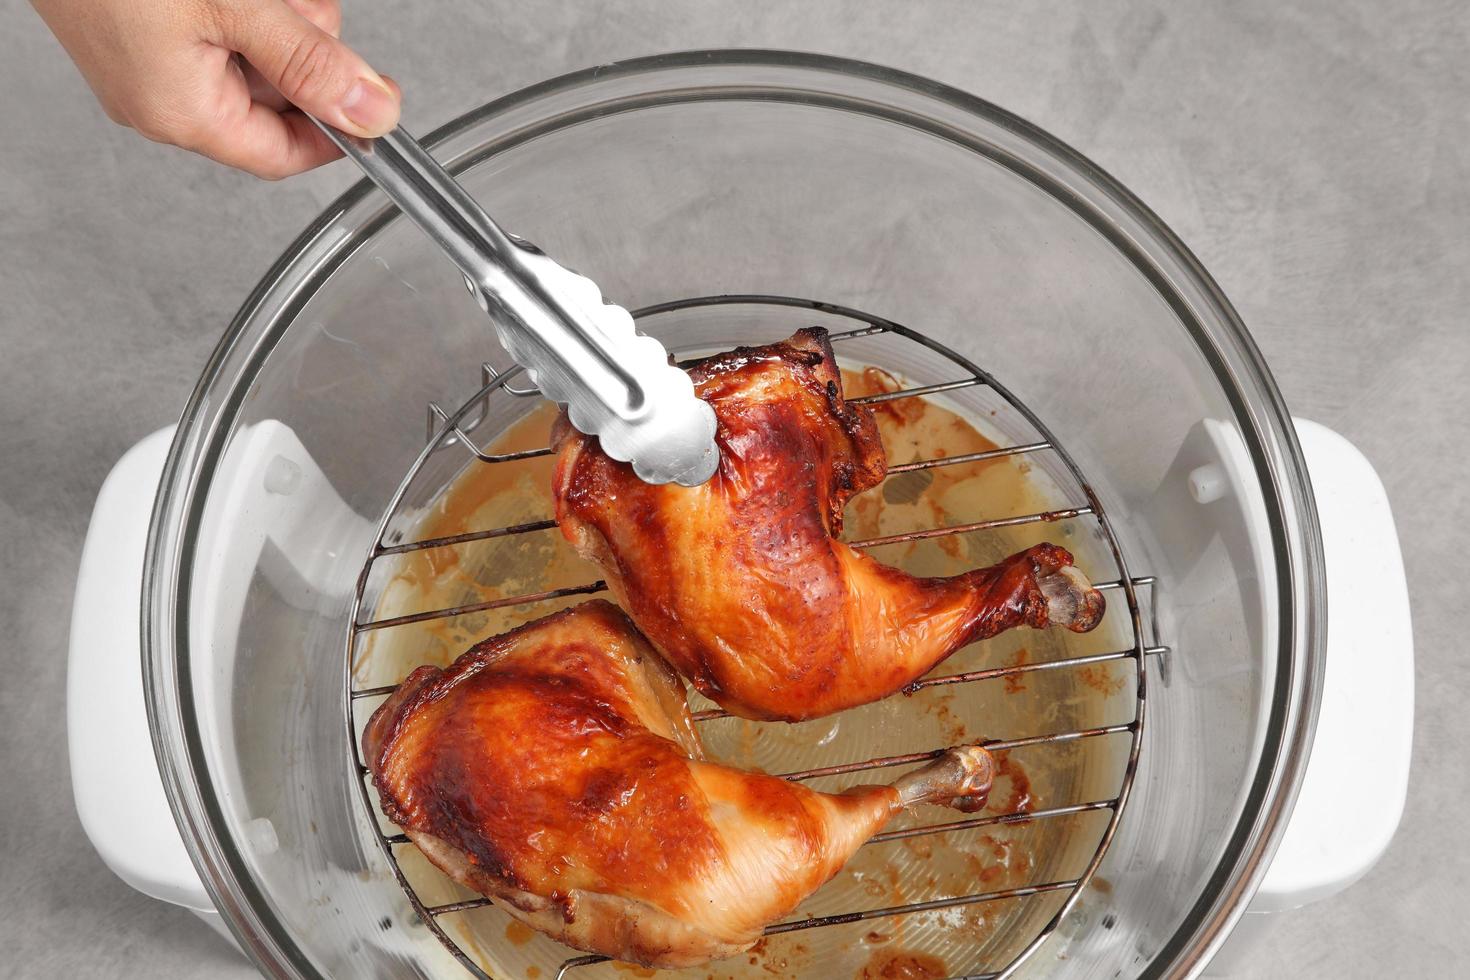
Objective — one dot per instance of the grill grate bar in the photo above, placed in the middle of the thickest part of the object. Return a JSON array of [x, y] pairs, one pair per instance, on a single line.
[[819, 922], [571, 964], [1000, 819], [485, 457], [844, 918], [1138, 580], [992, 672], [893, 396], [944, 532], [714, 713], [989, 673], [839, 335], [464, 906], [994, 745], [458, 434], [929, 464], [453, 539], [474, 607]]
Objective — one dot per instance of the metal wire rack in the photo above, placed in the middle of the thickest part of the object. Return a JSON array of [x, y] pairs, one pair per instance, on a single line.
[[450, 429]]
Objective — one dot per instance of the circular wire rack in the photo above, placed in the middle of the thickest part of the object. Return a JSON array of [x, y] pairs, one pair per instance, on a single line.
[[448, 432]]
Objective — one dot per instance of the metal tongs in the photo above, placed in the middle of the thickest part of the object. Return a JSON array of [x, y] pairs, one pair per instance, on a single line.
[[616, 383]]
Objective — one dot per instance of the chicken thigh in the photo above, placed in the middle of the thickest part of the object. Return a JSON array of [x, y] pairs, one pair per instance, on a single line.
[[556, 769], [742, 584]]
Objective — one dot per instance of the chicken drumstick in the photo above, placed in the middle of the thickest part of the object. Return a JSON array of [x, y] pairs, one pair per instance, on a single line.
[[555, 768], [741, 582]]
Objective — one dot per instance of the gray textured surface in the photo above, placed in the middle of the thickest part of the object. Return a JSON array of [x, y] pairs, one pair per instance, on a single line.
[[1316, 156]]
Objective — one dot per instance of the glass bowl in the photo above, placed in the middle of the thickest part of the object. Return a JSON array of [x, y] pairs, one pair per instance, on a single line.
[[741, 172]]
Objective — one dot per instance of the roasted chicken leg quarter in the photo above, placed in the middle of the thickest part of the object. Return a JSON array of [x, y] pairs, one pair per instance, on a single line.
[[741, 582], [556, 769]]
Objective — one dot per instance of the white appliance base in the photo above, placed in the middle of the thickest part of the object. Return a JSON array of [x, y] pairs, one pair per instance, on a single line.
[[1327, 846]]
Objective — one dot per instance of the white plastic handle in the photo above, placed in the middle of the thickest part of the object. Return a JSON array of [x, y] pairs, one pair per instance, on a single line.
[[1357, 778], [1353, 793], [114, 774], [274, 493]]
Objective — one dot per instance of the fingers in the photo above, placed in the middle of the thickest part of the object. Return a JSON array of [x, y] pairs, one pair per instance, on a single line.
[[310, 67], [274, 148], [253, 136], [325, 14], [271, 144]]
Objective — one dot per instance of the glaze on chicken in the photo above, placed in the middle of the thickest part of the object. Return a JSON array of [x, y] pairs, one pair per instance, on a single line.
[[556, 769], [742, 584]]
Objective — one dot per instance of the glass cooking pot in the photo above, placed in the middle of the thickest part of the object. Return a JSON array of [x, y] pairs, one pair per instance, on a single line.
[[721, 173]]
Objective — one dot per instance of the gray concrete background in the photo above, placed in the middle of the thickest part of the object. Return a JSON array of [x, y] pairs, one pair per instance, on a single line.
[[1316, 156]]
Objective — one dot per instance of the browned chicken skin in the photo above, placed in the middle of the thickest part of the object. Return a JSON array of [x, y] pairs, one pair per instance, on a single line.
[[741, 582], [555, 768]]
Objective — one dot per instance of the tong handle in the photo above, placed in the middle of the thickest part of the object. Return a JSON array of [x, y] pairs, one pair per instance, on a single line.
[[501, 269], [429, 196]]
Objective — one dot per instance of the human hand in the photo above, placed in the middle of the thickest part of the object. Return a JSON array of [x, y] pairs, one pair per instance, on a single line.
[[221, 77]]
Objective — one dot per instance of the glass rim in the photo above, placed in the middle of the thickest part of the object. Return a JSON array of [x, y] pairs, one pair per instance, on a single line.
[[1109, 207]]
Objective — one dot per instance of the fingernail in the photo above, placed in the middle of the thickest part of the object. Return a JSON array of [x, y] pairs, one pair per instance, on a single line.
[[370, 106]]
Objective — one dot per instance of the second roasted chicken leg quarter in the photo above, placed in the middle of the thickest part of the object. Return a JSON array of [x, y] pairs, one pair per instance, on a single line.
[[557, 770]]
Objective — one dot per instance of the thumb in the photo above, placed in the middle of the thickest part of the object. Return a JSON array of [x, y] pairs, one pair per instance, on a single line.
[[314, 70]]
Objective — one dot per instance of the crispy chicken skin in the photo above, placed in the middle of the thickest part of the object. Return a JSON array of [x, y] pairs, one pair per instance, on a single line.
[[741, 582], [555, 769]]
